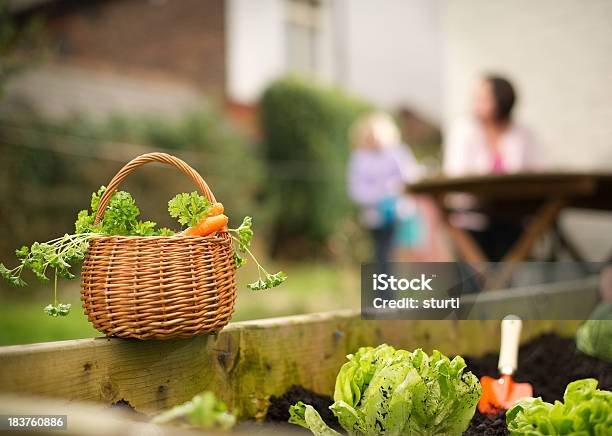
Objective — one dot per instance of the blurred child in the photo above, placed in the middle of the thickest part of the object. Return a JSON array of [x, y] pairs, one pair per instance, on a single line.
[[379, 168]]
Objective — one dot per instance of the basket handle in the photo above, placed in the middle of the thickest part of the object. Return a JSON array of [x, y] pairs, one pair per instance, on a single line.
[[144, 159]]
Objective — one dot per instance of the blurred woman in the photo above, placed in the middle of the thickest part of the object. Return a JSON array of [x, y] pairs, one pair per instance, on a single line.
[[489, 142], [379, 168]]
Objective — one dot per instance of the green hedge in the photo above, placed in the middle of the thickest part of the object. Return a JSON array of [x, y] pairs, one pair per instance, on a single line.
[[305, 128]]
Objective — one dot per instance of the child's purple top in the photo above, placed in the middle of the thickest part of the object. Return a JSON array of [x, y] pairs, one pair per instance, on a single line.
[[374, 174]]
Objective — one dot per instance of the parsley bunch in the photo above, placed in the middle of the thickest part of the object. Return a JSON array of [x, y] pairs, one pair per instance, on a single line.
[[120, 218], [243, 236], [61, 254]]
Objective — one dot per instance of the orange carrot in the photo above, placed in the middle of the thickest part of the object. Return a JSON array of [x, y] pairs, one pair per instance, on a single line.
[[212, 224], [216, 209], [191, 231], [201, 228]]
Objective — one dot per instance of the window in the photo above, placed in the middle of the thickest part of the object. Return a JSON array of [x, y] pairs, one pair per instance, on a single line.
[[303, 21]]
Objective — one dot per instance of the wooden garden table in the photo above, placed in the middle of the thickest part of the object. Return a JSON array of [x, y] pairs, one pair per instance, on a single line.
[[538, 196]]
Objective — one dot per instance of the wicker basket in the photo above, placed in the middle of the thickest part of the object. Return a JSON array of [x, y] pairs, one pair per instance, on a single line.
[[158, 287]]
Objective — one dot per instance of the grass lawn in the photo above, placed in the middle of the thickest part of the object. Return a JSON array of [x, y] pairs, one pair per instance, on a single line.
[[310, 287]]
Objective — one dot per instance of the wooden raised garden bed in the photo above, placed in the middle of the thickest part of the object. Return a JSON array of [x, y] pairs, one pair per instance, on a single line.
[[248, 362], [244, 364]]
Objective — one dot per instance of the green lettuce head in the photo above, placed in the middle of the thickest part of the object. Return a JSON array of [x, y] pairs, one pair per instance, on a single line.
[[585, 410], [594, 337], [394, 392]]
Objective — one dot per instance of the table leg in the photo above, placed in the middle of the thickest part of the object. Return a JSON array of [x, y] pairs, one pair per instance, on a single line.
[[467, 248], [541, 222]]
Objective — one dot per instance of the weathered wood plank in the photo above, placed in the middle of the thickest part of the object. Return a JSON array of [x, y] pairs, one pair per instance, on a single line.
[[243, 364]]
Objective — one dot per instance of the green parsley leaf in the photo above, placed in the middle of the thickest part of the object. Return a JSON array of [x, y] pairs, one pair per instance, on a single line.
[[22, 252], [189, 209], [59, 309], [120, 215], [245, 234], [239, 259], [270, 281], [144, 228], [10, 277], [164, 231]]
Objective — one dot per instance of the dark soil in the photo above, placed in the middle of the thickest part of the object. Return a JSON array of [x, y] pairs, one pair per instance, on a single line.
[[279, 406], [549, 363], [487, 425]]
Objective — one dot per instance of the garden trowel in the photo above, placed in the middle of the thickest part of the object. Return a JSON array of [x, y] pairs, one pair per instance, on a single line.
[[501, 393]]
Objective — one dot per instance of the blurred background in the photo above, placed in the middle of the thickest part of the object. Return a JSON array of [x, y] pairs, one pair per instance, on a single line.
[[259, 97]]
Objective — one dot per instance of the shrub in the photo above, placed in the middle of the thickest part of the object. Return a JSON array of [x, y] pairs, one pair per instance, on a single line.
[[305, 129]]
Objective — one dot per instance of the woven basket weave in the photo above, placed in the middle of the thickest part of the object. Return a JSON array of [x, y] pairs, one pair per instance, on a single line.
[[158, 287]]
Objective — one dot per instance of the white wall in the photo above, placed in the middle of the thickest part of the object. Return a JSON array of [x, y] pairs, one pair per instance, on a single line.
[[394, 53], [559, 54], [388, 51], [255, 46]]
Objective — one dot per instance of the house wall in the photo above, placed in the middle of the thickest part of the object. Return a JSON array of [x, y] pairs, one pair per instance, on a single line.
[[60, 91], [558, 54], [125, 56], [255, 46], [386, 51], [184, 39], [395, 53]]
